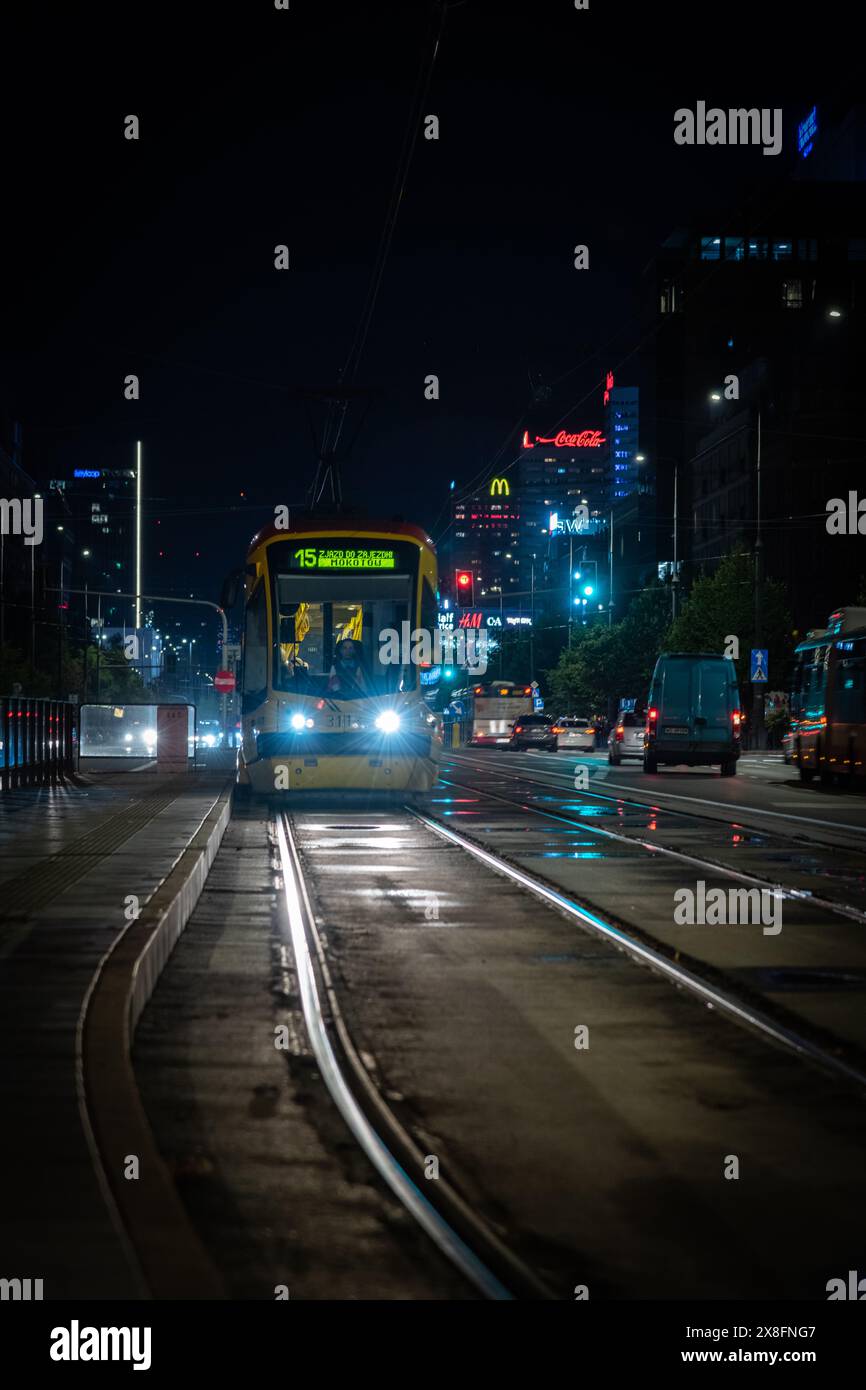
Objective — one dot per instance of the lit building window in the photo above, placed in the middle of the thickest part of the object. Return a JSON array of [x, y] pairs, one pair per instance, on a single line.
[[671, 297], [792, 294]]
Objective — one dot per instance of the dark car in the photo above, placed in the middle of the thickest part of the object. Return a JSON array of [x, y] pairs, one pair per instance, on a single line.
[[533, 731], [694, 714]]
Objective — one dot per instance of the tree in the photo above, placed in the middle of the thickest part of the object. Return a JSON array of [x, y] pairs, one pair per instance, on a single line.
[[606, 664], [118, 679], [721, 606]]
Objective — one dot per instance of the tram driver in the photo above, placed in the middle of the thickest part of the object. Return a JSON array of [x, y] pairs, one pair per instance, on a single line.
[[348, 675]]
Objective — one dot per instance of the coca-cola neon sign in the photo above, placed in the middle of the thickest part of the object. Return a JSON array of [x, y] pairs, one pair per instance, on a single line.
[[586, 439]]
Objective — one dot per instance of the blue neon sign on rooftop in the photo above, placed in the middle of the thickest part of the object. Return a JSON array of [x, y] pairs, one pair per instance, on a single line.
[[806, 132]]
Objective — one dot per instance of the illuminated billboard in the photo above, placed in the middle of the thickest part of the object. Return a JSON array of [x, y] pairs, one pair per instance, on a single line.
[[585, 439]]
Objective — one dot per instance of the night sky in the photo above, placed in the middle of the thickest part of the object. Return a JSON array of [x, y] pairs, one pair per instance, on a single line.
[[262, 127]]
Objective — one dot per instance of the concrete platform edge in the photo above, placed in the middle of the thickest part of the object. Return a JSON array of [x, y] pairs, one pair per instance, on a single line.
[[164, 1251]]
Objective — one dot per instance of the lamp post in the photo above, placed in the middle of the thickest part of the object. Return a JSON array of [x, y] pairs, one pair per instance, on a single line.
[[675, 576], [759, 733], [570, 588], [610, 580], [532, 620], [501, 626], [675, 570], [759, 730]]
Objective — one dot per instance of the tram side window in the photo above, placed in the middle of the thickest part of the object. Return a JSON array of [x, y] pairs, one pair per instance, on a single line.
[[814, 685], [256, 649], [849, 704], [797, 691], [429, 609]]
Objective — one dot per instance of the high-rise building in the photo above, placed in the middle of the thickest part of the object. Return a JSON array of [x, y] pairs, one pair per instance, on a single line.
[[100, 506], [484, 538], [755, 330], [559, 473], [621, 430]]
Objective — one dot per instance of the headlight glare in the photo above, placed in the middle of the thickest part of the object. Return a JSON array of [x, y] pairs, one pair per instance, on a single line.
[[388, 721]]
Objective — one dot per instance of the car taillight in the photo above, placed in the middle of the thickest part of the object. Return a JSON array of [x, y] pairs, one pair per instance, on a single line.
[[736, 718], [518, 728], [557, 730], [652, 715], [619, 731]]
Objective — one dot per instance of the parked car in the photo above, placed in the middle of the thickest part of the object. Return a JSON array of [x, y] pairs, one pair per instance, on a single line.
[[573, 732], [625, 739], [533, 731], [694, 715]]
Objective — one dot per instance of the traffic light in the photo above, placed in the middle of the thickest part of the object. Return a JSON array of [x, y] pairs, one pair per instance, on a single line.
[[465, 587]]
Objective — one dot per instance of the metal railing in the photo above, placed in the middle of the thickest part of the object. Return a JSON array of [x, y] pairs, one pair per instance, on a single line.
[[37, 741]]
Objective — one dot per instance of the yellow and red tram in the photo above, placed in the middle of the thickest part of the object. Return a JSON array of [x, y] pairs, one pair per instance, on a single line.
[[330, 694]]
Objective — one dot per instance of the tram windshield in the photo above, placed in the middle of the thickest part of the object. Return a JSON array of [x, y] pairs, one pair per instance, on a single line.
[[328, 639]]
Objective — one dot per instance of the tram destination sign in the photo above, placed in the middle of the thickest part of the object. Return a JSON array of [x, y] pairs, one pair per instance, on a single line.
[[338, 557]]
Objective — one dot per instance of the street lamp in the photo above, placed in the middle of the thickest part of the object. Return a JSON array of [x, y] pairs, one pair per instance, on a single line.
[[641, 458]]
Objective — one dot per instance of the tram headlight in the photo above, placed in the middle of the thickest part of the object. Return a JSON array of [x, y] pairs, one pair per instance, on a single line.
[[388, 721], [297, 721]]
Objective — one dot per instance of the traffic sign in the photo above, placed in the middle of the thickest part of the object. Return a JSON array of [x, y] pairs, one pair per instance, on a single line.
[[537, 702], [758, 671], [224, 682]]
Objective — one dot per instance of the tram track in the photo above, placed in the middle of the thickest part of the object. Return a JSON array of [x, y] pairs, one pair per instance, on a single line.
[[452, 1039], [714, 866], [743, 993], [313, 854], [733, 1005], [461, 1234], [742, 814]]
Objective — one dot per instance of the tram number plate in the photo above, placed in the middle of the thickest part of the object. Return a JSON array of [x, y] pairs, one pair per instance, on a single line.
[[339, 721], [676, 729]]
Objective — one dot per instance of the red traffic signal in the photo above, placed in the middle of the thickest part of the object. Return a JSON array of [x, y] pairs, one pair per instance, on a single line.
[[465, 586]]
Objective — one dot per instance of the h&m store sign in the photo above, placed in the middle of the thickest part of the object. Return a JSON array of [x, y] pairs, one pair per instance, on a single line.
[[449, 621]]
